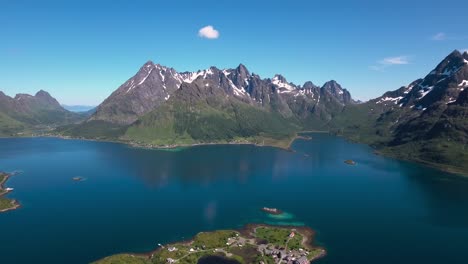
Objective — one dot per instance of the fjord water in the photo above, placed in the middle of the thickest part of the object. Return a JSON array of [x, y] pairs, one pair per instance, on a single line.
[[379, 211]]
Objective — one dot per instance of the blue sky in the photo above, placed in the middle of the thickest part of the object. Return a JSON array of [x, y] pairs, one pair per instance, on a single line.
[[81, 51]]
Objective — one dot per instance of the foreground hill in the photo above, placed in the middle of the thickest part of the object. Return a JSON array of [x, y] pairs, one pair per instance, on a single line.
[[253, 244], [26, 113], [159, 106], [425, 121]]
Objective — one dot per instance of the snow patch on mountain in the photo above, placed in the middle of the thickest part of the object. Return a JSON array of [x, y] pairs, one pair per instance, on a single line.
[[450, 71], [424, 91], [286, 87], [463, 83], [390, 99]]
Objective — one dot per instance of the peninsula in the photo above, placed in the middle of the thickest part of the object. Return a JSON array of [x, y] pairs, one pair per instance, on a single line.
[[5, 203], [255, 243]]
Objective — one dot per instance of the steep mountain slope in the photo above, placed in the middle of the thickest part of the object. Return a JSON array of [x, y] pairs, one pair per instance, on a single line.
[[153, 88], [27, 112], [201, 112], [424, 121]]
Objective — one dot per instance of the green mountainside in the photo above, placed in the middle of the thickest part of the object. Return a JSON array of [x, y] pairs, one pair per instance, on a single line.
[[202, 113], [425, 121]]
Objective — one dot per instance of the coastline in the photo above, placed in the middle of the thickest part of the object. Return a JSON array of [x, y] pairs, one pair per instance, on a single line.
[[13, 203], [286, 147], [275, 143], [441, 167], [309, 236], [444, 168], [248, 230]]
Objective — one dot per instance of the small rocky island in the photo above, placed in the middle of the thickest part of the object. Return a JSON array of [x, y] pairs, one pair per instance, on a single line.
[[5, 203], [273, 211], [78, 179], [350, 162], [255, 243]]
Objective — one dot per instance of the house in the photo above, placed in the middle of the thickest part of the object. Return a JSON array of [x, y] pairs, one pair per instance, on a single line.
[[302, 260], [292, 234], [171, 249]]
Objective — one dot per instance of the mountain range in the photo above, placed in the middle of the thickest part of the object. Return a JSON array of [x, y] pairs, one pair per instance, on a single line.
[[424, 121], [26, 113], [159, 106]]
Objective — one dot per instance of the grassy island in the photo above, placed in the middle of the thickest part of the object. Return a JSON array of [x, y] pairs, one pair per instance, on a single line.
[[5, 203], [252, 244]]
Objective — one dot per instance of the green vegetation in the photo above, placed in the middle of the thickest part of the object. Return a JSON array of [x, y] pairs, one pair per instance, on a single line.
[[9, 126], [92, 130], [216, 239], [280, 237], [252, 245], [124, 259], [440, 153], [215, 121], [5, 203], [436, 138]]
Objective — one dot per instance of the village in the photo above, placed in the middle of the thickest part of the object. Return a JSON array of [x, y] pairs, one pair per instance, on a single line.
[[257, 244]]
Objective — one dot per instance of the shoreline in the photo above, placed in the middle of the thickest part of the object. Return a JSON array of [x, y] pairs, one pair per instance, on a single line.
[[437, 166], [14, 203], [247, 230], [175, 146], [441, 167], [295, 136]]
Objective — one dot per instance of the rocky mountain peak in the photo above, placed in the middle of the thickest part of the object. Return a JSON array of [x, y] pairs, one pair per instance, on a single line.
[[331, 86], [452, 63], [335, 89], [279, 78], [45, 97], [148, 64], [309, 85], [242, 70]]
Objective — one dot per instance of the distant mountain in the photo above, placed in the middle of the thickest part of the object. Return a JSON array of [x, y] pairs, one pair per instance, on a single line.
[[201, 106], [27, 112], [423, 121], [79, 108]]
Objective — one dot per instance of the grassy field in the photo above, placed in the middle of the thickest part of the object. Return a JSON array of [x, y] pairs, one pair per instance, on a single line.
[[125, 259], [280, 237]]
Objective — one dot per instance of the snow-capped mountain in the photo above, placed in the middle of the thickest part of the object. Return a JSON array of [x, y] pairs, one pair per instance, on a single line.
[[154, 84], [441, 85], [425, 120]]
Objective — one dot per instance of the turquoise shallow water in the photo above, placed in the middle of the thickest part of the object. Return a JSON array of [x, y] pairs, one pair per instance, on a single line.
[[379, 211]]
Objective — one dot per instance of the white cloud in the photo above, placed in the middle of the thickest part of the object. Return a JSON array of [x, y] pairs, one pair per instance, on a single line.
[[439, 36], [208, 32], [389, 61], [394, 60]]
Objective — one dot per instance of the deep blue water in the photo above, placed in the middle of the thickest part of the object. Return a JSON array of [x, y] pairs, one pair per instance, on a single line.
[[379, 211]]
